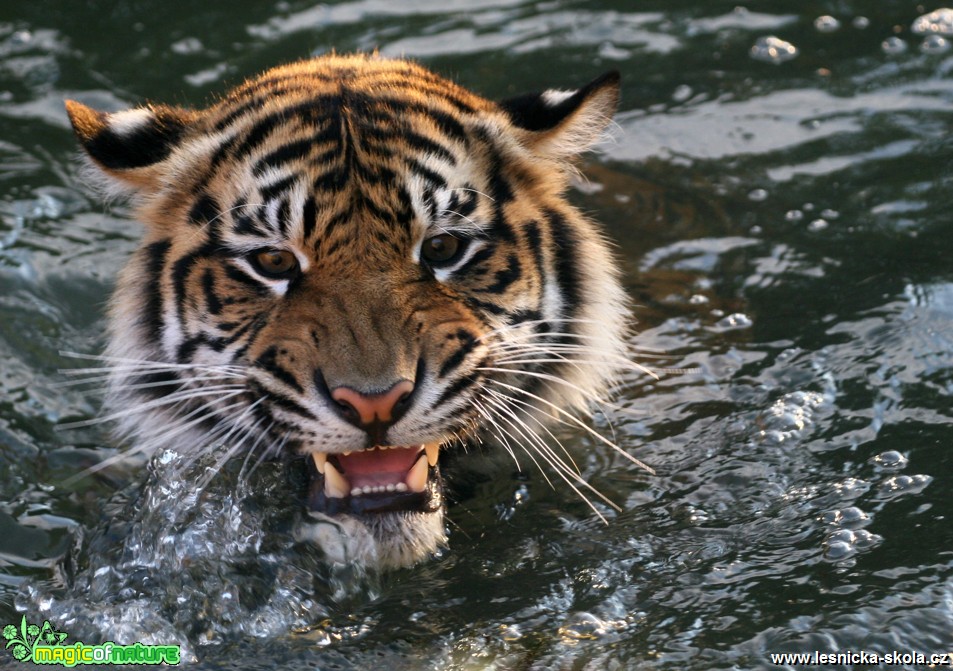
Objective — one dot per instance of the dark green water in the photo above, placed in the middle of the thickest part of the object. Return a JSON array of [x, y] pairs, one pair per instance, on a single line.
[[785, 230]]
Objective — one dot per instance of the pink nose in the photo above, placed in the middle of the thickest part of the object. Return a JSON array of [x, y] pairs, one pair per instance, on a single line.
[[367, 409]]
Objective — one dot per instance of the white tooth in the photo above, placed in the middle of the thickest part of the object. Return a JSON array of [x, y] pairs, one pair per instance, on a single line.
[[417, 477], [390, 487], [357, 491], [348, 453], [433, 453], [335, 484], [400, 487], [320, 459]]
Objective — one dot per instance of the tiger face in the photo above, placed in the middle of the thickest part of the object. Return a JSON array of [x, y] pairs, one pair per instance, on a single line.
[[353, 260]]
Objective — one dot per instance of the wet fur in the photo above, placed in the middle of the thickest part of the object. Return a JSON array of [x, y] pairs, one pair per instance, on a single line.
[[350, 162]]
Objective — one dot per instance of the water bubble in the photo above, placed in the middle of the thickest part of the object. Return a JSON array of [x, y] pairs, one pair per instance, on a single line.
[[47, 206], [826, 24], [837, 550], [935, 44], [893, 45], [904, 484], [21, 37], [830, 214], [187, 46], [845, 543], [860, 22], [891, 460], [863, 539], [584, 626], [790, 417], [682, 93], [733, 322], [698, 299], [851, 487], [851, 517], [817, 225], [773, 50], [938, 22], [793, 215], [758, 195]]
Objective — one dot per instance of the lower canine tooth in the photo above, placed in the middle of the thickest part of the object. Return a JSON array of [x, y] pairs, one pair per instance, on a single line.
[[335, 484], [417, 477]]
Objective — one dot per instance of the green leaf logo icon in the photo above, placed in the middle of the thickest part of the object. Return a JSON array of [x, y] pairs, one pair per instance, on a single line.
[[22, 640]]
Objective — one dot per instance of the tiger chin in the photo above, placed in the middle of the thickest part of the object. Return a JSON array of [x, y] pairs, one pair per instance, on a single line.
[[357, 262]]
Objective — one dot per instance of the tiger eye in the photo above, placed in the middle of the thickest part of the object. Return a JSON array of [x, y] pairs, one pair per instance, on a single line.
[[274, 263], [440, 248]]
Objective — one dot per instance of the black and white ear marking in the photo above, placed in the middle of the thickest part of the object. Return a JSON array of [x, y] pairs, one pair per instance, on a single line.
[[560, 123], [123, 143]]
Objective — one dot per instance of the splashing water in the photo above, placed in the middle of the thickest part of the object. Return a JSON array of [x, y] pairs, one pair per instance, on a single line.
[[179, 565]]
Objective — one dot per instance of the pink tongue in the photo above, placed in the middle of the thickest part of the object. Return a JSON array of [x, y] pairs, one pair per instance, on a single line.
[[378, 467]]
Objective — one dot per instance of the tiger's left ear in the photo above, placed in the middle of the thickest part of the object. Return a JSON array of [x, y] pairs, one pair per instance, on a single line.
[[130, 145], [560, 124]]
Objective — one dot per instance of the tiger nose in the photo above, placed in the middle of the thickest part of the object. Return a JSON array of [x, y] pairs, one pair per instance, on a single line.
[[367, 410]]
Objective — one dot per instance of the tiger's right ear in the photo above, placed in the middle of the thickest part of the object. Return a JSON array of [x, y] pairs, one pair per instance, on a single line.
[[131, 145]]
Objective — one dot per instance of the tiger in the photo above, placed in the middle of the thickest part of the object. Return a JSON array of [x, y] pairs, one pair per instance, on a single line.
[[353, 262]]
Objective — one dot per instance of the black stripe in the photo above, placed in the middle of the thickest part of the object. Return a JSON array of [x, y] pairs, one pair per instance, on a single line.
[[467, 345], [309, 217], [278, 188], [277, 399], [247, 220], [462, 203], [314, 110], [289, 404], [567, 271], [521, 316], [165, 382], [425, 145], [263, 91], [257, 325], [284, 215], [505, 277], [187, 349], [212, 302], [204, 211], [458, 387], [534, 242], [334, 179], [434, 178], [181, 270], [291, 151], [485, 306], [269, 361], [152, 321]]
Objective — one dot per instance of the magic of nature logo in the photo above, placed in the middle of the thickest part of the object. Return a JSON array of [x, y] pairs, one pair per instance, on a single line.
[[44, 645]]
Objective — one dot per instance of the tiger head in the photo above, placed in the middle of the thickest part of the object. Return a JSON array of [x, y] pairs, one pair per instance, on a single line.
[[355, 260]]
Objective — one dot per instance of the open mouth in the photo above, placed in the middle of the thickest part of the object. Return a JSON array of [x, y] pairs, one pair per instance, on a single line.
[[381, 479]]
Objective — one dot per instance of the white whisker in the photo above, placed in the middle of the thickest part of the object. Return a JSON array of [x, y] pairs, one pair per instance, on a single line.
[[568, 475], [575, 420]]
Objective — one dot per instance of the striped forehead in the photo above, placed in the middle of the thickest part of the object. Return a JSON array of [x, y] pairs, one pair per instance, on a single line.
[[316, 151], [280, 205]]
